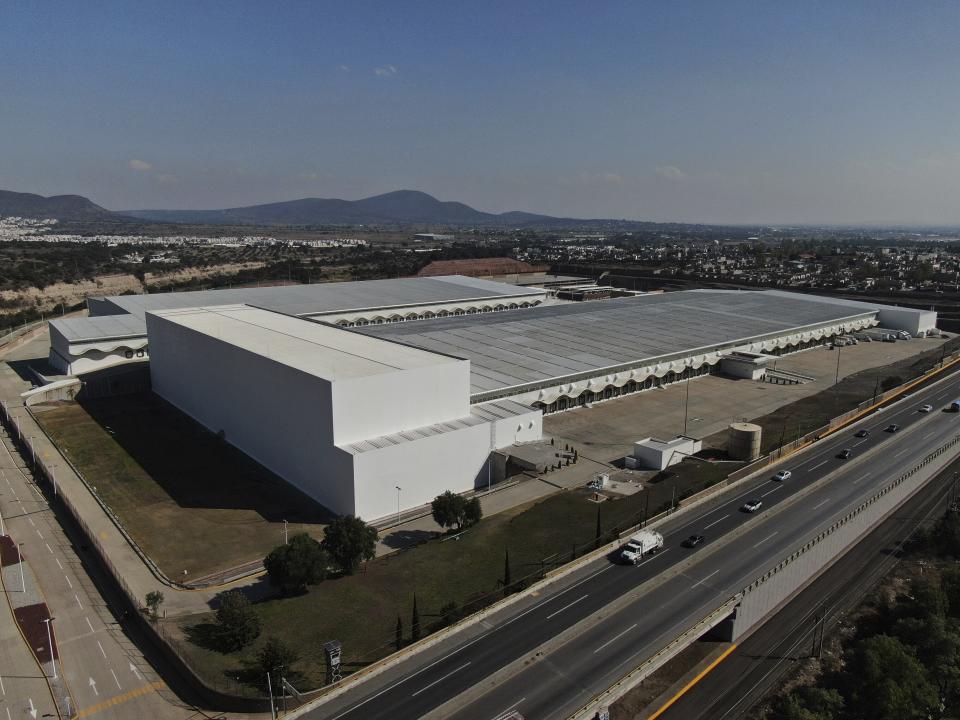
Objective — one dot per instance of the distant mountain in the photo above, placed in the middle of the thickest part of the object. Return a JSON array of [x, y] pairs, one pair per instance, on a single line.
[[401, 207], [61, 207]]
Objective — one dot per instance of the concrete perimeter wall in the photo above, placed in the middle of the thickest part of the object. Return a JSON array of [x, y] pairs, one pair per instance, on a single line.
[[770, 591]]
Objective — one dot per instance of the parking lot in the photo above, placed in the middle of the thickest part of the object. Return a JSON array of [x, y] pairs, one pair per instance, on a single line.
[[606, 431]]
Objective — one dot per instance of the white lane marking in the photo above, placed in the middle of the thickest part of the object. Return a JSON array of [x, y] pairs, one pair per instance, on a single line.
[[510, 709], [136, 673], [3, 690], [898, 454], [614, 638], [859, 443], [716, 521], [93, 684], [452, 672], [8, 714], [929, 434], [769, 492], [862, 477], [820, 505], [766, 538], [466, 645], [119, 686], [49, 548], [89, 624], [70, 584], [30, 520], [700, 582], [102, 651], [58, 563], [819, 465], [568, 605], [77, 598], [40, 533]]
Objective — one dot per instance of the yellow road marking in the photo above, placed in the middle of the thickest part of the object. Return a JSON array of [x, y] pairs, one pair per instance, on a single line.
[[118, 699], [702, 674]]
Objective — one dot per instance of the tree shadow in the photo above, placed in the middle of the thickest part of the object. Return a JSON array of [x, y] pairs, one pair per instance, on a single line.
[[208, 636], [407, 538]]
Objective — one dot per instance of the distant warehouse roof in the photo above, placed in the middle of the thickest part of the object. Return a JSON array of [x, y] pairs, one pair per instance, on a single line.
[[559, 341], [320, 298]]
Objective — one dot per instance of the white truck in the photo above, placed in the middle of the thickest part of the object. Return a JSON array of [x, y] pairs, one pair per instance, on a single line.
[[643, 543]]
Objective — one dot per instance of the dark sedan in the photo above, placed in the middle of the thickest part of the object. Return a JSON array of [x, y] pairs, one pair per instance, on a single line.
[[693, 541]]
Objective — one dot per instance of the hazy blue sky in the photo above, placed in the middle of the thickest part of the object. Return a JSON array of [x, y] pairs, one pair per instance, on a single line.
[[712, 111]]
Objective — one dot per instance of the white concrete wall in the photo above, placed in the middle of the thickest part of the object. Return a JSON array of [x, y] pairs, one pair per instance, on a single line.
[[387, 403], [518, 428], [423, 469], [660, 457], [913, 321], [279, 416]]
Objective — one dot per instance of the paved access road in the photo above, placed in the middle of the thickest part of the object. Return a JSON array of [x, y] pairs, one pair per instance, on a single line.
[[106, 675], [759, 661], [563, 679]]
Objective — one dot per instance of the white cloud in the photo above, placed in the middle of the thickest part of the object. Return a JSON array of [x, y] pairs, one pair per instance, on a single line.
[[344, 68], [385, 71], [140, 165], [670, 172]]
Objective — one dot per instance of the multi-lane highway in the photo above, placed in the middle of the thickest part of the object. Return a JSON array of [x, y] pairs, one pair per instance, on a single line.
[[456, 673], [760, 660]]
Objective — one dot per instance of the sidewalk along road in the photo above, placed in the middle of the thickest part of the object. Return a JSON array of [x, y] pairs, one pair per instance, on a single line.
[[99, 663]]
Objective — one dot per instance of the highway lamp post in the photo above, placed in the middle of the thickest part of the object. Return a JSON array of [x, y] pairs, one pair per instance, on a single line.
[[53, 660], [23, 582], [686, 408], [3, 532], [286, 538], [398, 502]]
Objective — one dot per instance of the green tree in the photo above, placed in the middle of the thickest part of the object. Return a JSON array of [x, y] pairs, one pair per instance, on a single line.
[[809, 703], [299, 563], [349, 540], [415, 621], [946, 534], [506, 571], [887, 682], [448, 510], [238, 624], [275, 659], [472, 512], [154, 600]]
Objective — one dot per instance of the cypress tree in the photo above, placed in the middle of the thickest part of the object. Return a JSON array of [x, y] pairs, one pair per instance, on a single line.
[[415, 621], [506, 571]]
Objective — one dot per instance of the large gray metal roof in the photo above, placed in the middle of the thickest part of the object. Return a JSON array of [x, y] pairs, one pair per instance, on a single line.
[[100, 328], [323, 298], [523, 347]]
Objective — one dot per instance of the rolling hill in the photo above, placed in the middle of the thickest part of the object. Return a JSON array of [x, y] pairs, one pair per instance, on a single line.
[[401, 207], [61, 207]]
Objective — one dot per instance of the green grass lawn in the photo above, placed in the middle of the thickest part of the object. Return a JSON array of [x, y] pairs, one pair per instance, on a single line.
[[361, 610], [190, 500]]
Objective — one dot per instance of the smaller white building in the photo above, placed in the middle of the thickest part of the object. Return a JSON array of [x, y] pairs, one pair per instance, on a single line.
[[653, 454]]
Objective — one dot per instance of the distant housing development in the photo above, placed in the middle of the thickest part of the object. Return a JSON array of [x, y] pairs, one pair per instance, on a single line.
[[373, 397]]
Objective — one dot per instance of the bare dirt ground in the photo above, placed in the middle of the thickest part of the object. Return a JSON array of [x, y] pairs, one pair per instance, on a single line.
[[72, 293]]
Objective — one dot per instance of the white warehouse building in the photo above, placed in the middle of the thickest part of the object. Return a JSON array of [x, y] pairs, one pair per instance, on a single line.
[[363, 417]]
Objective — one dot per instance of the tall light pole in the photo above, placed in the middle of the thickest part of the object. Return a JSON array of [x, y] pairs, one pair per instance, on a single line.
[[286, 539], [686, 408], [398, 502], [53, 660], [2, 531]]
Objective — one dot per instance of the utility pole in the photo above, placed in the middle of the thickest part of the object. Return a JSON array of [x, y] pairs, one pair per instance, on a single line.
[[286, 537], [686, 408], [398, 502], [839, 347]]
